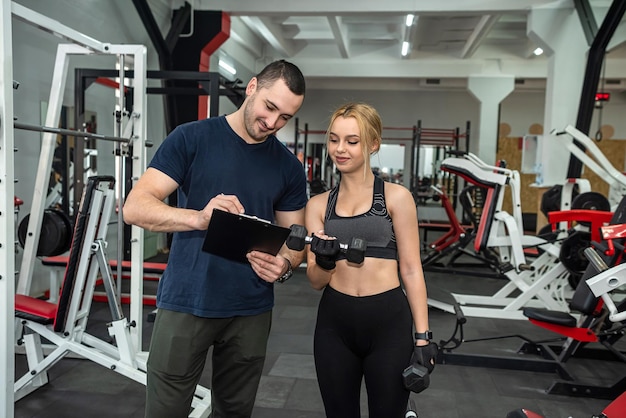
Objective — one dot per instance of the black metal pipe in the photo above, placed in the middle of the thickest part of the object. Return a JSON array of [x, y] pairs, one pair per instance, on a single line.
[[592, 76]]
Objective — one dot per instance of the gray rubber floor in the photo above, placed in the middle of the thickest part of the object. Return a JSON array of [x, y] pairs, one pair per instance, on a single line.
[[79, 388]]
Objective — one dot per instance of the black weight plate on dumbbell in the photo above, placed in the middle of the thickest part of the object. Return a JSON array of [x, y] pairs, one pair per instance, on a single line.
[[572, 255], [591, 201], [356, 250], [296, 239]]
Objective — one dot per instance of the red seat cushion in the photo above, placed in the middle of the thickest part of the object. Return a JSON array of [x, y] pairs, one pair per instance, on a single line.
[[35, 309]]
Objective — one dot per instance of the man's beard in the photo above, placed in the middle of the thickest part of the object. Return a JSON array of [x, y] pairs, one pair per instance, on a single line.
[[250, 122]]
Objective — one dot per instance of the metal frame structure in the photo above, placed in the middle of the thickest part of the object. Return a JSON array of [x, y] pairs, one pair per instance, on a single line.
[[603, 283], [210, 84], [593, 158], [7, 227], [135, 131], [65, 324]]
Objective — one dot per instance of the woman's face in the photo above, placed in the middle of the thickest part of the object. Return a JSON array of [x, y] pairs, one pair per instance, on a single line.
[[344, 144]]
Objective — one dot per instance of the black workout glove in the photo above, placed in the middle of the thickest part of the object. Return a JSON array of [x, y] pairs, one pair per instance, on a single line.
[[416, 377], [423, 354], [326, 252]]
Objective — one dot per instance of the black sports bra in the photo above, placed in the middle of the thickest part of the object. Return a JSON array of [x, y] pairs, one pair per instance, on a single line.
[[374, 226]]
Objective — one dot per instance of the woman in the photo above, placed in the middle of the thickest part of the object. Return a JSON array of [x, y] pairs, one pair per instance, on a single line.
[[365, 320]]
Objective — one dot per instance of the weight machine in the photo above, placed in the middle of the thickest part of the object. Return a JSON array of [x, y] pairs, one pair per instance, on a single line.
[[600, 321], [613, 410], [540, 283], [443, 253], [64, 324], [595, 160], [131, 132]]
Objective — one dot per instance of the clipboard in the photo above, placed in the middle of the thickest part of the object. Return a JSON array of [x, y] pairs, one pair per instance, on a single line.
[[232, 236]]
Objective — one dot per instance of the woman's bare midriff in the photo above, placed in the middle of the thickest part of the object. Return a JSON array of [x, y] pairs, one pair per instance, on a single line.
[[374, 276]]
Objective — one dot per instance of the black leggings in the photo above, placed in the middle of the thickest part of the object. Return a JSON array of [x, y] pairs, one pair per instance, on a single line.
[[363, 336]]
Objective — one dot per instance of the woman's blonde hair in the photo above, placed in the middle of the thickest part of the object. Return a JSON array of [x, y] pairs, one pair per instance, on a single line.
[[370, 126]]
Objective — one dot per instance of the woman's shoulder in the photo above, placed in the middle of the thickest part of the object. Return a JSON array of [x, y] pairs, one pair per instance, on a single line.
[[318, 201], [398, 196], [396, 190]]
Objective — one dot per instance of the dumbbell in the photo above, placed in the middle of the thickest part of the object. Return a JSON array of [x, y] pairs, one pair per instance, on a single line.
[[416, 378], [355, 251]]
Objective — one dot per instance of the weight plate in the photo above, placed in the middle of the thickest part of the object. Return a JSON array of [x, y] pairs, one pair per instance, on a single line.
[[551, 200], [572, 255], [591, 201], [56, 233]]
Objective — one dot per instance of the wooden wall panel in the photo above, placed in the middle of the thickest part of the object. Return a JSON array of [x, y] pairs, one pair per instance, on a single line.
[[509, 149]]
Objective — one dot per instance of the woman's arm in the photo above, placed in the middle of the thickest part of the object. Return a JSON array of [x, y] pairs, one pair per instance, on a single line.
[[314, 222], [404, 215]]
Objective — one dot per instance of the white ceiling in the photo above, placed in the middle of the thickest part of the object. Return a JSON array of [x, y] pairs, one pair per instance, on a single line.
[[351, 44]]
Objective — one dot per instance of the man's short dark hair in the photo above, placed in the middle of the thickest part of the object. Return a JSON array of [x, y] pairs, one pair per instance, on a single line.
[[286, 71]]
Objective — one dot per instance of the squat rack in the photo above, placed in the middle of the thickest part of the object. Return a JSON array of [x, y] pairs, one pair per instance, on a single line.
[[210, 84], [442, 140], [135, 130], [323, 157]]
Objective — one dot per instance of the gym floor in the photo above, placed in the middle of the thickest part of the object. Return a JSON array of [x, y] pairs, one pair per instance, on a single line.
[[80, 388]]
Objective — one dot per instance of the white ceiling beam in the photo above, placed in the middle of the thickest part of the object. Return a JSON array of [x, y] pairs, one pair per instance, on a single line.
[[271, 33], [325, 7], [480, 32], [243, 35], [431, 68], [618, 38], [339, 33]]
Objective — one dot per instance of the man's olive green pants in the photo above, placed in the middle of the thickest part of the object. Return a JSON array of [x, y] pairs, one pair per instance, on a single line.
[[178, 351]]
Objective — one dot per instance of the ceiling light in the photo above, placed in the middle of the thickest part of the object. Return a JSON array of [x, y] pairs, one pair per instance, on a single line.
[[538, 51], [227, 67], [409, 19], [405, 48]]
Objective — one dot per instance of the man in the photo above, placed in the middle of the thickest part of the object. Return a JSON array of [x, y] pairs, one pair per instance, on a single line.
[[233, 163]]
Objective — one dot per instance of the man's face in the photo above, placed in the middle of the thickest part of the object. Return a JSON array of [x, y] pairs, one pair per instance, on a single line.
[[268, 109]]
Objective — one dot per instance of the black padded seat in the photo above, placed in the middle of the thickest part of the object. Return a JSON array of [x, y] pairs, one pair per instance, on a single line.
[[552, 317]]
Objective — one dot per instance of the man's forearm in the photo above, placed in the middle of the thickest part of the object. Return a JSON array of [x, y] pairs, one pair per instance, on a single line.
[[154, 215]]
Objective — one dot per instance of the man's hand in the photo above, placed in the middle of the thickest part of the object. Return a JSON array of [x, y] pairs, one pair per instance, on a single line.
[[267, 266], [227, 203]]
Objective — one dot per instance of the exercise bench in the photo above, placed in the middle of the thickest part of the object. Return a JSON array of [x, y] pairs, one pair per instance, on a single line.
[[151, 272], [600, 322], [537, 284], [64, 324], [443, 253]]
